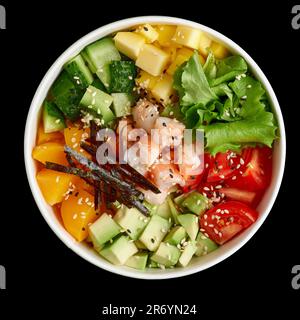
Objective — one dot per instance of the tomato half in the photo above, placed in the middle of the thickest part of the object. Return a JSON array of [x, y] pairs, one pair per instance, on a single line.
[[226, 220], [227, 165], [257, 175]]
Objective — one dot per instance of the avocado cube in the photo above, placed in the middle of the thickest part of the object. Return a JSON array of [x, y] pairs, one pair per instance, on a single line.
[[190, 222], [204, 245], [187, 254], [102, 230], [175, 236], [166, 255], [196, 203], [138, 261], [132, 221], [119, 251], [155, 231]]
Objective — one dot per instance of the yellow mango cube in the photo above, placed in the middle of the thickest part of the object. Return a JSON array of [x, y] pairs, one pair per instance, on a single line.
[[204, 44], [146, 80], [172, 51], [219, 50], [182, 56], [148, 32], [165, 35], [152, 59], [187, 36], [163, 89], [129, 43]]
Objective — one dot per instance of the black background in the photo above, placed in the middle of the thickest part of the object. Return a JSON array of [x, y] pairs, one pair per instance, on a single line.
[[43, 276]]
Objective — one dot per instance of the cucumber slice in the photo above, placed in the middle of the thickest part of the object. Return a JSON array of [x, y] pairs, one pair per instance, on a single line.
[[98, 56], [204, 245], [67, 96], [98, 102], [79, 72], [53, 118], [196, 202], [123, 75], [138, 261], [122, 103]]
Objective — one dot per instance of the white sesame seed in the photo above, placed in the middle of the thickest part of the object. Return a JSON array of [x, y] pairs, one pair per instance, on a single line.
[[216, 231], [233, 178], [242, 161], [206, 235], [218, 187], [244, 97], [222, 176], [202, 230], [211, 225], [75, 145], [226, 211], [205, 223], [73, 140], [57, 179], [218, 210], [75, 216], [206, 189]]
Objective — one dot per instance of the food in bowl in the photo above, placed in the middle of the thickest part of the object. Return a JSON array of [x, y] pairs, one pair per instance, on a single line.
[[96, 127]]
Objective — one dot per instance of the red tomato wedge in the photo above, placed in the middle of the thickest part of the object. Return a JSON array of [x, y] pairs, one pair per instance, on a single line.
[[226, 220], [227, 165], [244, 196], [258, 171]]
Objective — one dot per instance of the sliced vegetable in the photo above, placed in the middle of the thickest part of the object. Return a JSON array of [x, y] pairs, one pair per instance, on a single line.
[[50, 151], [123, 74]]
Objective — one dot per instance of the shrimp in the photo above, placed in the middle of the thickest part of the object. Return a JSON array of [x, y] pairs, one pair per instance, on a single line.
[[170, 132], [155, 198], [145, 114]]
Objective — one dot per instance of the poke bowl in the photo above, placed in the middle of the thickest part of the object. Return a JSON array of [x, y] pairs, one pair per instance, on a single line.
[[106, 156]]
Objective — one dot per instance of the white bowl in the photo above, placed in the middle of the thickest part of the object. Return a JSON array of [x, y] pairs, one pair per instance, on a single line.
[[197, 264]]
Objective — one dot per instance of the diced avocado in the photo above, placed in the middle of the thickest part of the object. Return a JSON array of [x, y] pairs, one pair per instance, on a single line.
[[140, 245], [153, 264], [204, 245], [119, 251], [151, 207], [99, 55], [79, 72], [97, 101], [190, 223], [53, 118], [166, 255], [122, 103], [97, 83], [67, 96], [132, 221], [103, 230], [138, 261], [123, 74], [173, 209], [178, 200], [187, 254], [155, 231], [175, 236], [195, 202], [163, 210]]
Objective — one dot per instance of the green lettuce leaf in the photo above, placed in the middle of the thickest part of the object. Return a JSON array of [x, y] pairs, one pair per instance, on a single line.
[[191, 83], [227, 69], [259, 129]]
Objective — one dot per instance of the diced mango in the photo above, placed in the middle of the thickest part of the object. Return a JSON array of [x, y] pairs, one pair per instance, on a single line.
[[182, 56], [146, 80], [77, 213], [187, 36], [129, 43], [204, 44], [74, 136], [165, 34], [81, 184], [163, 90], [54, 185], [219, 50], [43, 137], [50, 151], [148, 32], [152, 59], [172, 51]]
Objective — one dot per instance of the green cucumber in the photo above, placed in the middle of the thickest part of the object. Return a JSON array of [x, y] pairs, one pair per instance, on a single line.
[[123, 75], [53, 118]]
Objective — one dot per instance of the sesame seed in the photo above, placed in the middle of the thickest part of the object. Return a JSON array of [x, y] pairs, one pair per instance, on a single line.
[[226, 211], [220, 234], [206, 235], [238, 166], [218, 210], [211, 225], [242, 161], [205, 216], [57, 179], [205, 223], [249, 86], [206, 189], [75, 145], [233, 178], [75, 216], [202, 230], [222, 176], [216, 231], [73, 140], [244, 97], [218, 187]]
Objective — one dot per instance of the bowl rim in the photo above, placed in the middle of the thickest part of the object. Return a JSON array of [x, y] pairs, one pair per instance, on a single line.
[[31, 123]]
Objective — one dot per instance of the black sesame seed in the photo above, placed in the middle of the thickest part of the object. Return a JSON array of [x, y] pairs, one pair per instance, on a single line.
[[164, 124], [83, 229], [128, 230], [76, 194], [146, 29], [152, 240], [171, 176]]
